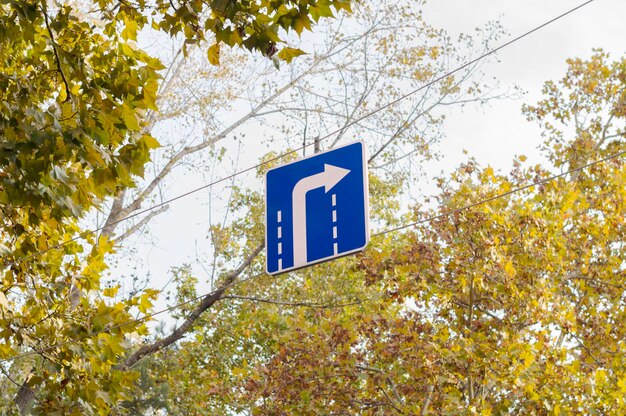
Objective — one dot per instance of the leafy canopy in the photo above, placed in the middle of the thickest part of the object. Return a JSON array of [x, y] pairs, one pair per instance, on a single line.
[[74, 97], [513, 306]]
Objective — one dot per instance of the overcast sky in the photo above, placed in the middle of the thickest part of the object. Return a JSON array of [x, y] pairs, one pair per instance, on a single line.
[[495, 133], [492, 134]]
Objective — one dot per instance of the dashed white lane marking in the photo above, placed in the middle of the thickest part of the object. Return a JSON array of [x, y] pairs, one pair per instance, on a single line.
[[279, 218], [335, 244]]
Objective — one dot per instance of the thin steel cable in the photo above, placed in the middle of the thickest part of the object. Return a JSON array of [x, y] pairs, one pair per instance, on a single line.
[[131, 322], [238, 282], [512, 191], [84, 234]]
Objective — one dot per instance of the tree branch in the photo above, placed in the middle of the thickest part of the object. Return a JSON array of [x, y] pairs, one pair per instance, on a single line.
[[296, 304], [25, 396], [141, 223], [389, 382], [114, 214], [604, 137], [136, 204], [427, 400], [207, 302], [255, 112], [410, 122], [56, 52]]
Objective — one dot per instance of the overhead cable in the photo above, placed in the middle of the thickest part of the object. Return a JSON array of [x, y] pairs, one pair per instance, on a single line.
[[238, 282], [85, 234]]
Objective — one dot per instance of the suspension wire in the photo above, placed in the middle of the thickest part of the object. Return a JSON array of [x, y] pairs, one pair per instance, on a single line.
[[238, 282], [498, 196], [85, 234]]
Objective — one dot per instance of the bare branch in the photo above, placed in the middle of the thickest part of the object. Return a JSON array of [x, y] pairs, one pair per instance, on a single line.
[[207, 302], [114, 214], [409, 122], [170, 75], [255, 112], [141, 223], [367, 90], [136, 204], [296, 304], [604, 137]]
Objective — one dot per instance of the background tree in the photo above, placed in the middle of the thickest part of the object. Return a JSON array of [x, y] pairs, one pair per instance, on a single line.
[[354, 65], [516, 305], [362, 62], [74, 100], [351, 59]]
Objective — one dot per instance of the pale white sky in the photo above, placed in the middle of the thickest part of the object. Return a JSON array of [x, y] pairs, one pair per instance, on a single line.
[[492, 134], [497, 132]]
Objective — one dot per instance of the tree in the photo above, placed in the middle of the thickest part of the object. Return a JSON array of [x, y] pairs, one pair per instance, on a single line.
[[369, 68], [355, 65], [350, 59], [512, 306], [56, 304], [75, 97]]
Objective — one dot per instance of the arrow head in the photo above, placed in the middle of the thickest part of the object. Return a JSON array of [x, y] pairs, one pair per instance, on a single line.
[[333, 174]]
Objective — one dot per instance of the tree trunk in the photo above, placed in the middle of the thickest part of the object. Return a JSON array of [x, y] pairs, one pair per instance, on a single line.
[[25, 397]]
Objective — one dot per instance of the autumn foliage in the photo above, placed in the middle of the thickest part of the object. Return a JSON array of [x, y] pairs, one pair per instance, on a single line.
[[515, 306]]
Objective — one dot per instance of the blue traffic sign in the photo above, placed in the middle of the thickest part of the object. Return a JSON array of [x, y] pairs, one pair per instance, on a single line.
[[316, 208]]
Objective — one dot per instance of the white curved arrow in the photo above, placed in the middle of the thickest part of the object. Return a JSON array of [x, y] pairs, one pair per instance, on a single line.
[[328, 178]]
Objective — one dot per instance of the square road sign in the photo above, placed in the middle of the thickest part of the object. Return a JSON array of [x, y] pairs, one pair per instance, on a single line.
[[316, 208]]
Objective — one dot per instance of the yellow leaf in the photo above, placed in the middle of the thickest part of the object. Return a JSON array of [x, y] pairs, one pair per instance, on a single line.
[[110, 291], [509, 269], [131, 120], [63, 95], [144, 303], [298, 26], [527, 357], [287, 54], [6, 351], [214, 54], [130, 31], [127, 50], [151, 142]]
